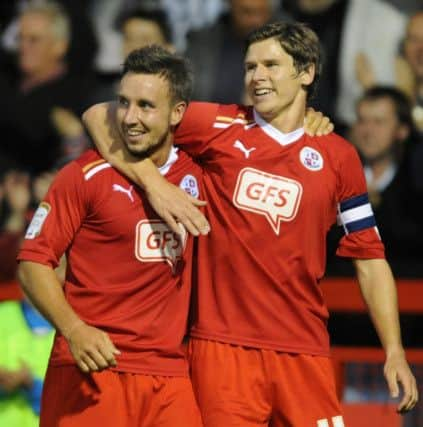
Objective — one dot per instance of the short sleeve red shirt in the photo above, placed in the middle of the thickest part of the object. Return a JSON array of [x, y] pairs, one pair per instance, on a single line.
[[272, 198], [128, 273]]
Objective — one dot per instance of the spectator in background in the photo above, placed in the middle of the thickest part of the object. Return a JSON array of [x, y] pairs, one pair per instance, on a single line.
[[26, 340], [191, 15], [221, 47], [186, 15], [18, 198], [15, 203], [360, 41], [384, 137], [406, 6], [413, 50], [26, 337], [83, 43], [37, 100], [139, 27]]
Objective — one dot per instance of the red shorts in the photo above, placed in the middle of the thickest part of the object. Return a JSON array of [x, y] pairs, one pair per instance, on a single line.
[[239, 386], [116, 399]]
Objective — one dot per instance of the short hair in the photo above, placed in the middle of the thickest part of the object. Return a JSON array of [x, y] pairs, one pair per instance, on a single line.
[[60, 22], [175, 69], [400, 101], [158, 16], [297, 40]]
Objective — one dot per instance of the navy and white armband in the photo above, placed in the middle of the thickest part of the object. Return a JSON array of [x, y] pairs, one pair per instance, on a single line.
[[356, 214]]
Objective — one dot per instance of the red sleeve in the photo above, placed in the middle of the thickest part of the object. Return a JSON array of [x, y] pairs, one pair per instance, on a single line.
[[195, 131], [355, 214], [57, 218]]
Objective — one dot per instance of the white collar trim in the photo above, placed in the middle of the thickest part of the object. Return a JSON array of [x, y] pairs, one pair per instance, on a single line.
[[277, 135], [173, 157]]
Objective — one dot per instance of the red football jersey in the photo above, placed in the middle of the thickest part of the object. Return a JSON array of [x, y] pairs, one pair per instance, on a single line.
[[128, 273], [272, 198]]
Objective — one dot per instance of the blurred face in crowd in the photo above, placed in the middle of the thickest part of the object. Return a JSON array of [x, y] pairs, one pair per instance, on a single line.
[[414, 45], [138, 33], [248, 15], [272, 81], [314, 6], [40, 185], [39, 50], [377, 129], [145, 115]]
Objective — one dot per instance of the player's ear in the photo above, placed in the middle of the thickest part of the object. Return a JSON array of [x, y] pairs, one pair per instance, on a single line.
[[177, 113], [403, 132], [307, 76]]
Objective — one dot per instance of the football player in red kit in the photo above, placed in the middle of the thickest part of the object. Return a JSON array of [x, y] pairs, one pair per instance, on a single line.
[[259, 346], [122, 313]]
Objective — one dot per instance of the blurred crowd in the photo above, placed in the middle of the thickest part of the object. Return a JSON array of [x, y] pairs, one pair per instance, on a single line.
[[57, 58]]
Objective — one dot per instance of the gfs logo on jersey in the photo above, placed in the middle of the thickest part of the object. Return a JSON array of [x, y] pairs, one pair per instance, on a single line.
[[275, 197], [156, 242]]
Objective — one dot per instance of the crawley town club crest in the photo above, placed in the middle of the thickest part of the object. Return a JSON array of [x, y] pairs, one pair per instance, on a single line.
[[275, 197], [189, 185], [311, 159]]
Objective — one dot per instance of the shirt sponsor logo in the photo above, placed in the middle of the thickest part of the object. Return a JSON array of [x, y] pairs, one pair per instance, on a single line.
[[275, 197], [40, 215], [190, 185], [156, 242], [311, 159]]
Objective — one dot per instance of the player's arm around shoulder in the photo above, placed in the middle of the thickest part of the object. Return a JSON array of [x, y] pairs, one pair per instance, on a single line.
[[379, 292], [317, 124], [100, 123], [171, 203]]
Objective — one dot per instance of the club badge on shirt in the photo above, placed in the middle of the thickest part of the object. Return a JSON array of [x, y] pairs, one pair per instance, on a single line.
[[40, 215], [189, 184], [311, 159]]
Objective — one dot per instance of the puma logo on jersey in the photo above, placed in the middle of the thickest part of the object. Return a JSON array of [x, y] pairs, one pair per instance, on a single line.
[[238, 144], [128, 192], [156, 242], [275, 197]]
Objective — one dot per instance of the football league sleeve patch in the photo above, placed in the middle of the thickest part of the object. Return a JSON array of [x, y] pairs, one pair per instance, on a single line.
[[356, 214]]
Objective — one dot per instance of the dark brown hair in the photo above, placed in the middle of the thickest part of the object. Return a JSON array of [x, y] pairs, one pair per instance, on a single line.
[[175, 69], [297, 40]]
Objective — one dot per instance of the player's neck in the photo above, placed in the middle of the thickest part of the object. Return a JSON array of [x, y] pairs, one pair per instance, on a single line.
[[289, 117], [288, 120], [160, 157]]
